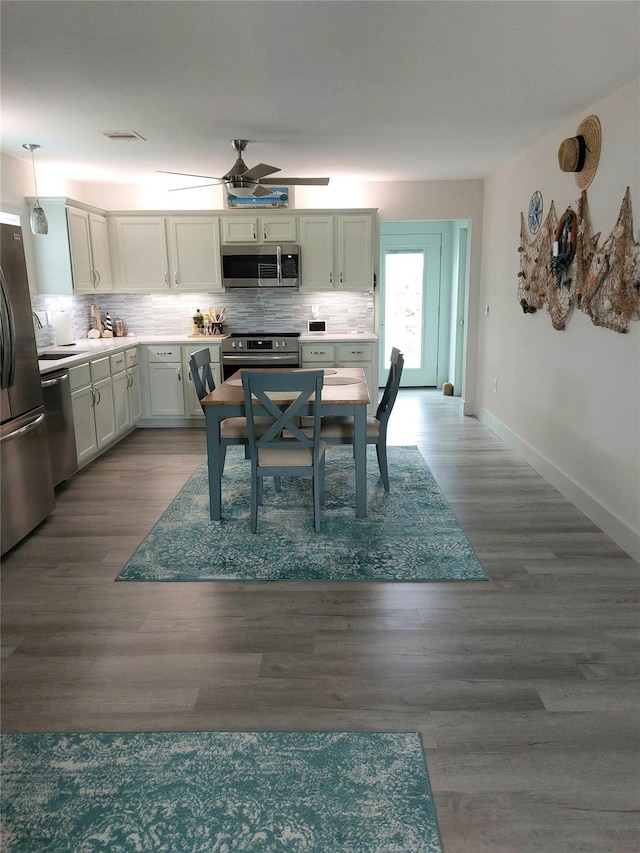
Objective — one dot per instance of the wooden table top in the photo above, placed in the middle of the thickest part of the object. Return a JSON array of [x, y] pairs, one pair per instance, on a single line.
[[335, 389]]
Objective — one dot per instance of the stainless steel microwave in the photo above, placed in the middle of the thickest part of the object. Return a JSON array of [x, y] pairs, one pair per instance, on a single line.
[[261, 265]]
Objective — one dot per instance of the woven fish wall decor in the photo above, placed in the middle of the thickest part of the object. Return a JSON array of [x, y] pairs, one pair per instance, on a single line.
[[562, 268]]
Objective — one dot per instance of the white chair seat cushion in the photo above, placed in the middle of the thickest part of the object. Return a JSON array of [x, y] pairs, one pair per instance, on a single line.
[[237, 427], [298, 457], [342, 427]]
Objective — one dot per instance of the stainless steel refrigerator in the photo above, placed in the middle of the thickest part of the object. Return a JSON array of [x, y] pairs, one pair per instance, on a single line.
[[25, 473]]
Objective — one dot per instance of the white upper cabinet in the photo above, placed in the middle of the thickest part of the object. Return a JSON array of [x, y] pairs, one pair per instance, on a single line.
[[89, 247], [355, 252], [141, 253], [316, 252], [195, 253], [158, 253], [74, 257], [259, 229], [337, 252]]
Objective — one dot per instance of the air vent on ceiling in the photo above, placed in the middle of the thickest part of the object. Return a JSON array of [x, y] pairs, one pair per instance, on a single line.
[[122, 135]]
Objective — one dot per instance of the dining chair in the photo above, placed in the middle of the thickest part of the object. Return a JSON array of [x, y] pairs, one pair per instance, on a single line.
[[284, 449], [338, 429], [232, 430]]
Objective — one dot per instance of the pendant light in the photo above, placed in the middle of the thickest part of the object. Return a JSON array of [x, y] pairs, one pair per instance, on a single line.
[[38, 220]]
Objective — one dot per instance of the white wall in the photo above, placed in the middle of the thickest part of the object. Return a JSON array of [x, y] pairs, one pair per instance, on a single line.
[[568, 401]]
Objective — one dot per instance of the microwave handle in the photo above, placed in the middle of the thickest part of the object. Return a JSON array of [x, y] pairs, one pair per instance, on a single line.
[[279, 263]]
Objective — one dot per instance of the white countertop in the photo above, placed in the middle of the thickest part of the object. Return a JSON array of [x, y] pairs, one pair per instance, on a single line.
[[86, 349]]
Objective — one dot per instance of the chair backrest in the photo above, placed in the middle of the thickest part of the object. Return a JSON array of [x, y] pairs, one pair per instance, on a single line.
[[283, 396], [391, 388], [200, 366]]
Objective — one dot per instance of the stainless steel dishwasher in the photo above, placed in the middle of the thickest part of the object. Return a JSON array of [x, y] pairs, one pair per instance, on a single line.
[[59, 420]]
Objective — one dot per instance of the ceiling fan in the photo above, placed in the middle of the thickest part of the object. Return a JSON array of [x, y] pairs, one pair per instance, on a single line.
[[240, 180]]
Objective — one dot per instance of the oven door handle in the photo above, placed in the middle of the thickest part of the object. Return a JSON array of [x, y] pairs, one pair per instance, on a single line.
[[256, 359]]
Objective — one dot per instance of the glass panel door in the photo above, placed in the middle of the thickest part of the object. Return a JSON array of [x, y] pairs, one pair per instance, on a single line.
[[410, 306]]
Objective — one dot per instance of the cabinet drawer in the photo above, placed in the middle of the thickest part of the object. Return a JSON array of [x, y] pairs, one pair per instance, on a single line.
[[214, 353], [317, 352], [165, 354], [355, 352], [79, 376], [131, 357], [100, 369], [118, 362]]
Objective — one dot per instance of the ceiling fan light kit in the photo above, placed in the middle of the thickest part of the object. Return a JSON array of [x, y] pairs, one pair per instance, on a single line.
[[242, 181]]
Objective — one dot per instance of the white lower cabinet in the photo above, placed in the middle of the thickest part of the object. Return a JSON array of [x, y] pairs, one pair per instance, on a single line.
[[169, 393], [126, 389], [105, 395], [94, 417], [193, 408], [166, 385], [84, 422], [345, 354]]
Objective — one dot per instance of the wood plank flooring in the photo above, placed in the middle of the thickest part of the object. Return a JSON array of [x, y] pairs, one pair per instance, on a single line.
[[525, 689]]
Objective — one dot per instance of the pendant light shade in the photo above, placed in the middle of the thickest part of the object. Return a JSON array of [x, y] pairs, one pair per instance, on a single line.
[[38, 220]]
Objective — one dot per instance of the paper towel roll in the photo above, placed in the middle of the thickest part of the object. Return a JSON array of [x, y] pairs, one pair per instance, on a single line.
[[63, 330]]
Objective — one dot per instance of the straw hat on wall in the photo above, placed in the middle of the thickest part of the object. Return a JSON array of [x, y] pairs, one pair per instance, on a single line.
[[581, 153]]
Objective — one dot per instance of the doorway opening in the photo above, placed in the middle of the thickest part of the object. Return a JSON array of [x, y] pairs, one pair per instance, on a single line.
[[423, 282]]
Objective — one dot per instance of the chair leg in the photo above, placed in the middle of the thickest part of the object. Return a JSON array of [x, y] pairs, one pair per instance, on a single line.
[[256, 487], [316, 489], [381, 452], [277, 482]]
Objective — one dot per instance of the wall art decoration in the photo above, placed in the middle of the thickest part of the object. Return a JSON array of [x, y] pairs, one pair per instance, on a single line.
[[562, 268], [535, 263], [611, 294], [535, 212], [277, 197]]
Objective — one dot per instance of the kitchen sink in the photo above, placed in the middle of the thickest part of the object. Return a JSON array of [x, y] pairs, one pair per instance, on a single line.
[[54, 356]]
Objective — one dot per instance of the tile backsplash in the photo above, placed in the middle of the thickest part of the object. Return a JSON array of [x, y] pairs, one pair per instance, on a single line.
[[246, 311]]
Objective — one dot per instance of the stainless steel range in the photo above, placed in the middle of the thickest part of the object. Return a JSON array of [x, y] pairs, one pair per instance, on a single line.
[[259, 349]]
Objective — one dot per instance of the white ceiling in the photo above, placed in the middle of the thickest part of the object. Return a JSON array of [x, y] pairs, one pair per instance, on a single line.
[[354, 90]]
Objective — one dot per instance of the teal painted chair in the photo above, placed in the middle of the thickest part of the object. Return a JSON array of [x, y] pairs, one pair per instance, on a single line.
[[232, 430], [284, 449], [339, 429]]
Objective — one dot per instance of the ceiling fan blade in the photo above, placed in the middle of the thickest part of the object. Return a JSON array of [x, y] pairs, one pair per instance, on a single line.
[[259, 171], [188, 175], [196, 187], [311, 182], [260, 191]]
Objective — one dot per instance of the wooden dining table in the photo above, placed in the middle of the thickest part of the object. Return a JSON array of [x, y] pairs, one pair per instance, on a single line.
[[344, 392]]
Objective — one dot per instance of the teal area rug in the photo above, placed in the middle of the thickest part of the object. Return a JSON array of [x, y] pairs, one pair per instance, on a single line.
[[410, 533], [217, 792]]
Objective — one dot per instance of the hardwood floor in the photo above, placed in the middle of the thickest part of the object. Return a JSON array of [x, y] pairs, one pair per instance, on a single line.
[[525, 689]]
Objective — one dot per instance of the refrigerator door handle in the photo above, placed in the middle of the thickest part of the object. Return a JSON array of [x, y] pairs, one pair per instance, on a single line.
[[23, 430], [7, 337]]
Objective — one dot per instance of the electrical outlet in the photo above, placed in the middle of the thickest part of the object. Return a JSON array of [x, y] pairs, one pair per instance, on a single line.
[[495, 386]]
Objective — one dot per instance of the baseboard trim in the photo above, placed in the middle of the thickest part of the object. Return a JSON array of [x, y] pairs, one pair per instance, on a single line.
[[623, 535]]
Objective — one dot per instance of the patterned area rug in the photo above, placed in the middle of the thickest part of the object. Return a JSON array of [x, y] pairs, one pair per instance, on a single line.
[[319, 792], [410, 533]]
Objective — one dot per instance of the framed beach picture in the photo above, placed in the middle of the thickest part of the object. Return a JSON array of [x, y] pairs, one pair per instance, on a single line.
[[280, 197]]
